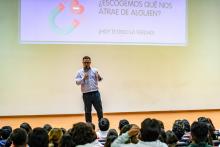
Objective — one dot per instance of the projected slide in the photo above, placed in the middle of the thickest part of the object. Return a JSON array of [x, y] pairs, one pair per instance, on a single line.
[[156, 22]]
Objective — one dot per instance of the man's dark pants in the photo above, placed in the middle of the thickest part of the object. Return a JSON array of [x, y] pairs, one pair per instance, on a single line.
[[92, 98]]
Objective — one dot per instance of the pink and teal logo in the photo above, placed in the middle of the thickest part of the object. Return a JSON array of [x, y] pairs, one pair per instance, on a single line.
[[75, 8]]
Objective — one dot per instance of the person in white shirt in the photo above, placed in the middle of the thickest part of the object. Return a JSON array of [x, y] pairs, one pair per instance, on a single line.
[[88, 78]]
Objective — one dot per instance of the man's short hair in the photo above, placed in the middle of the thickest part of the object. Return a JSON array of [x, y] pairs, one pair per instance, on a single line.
[[150, 130], [86, 57], [19, 137], [199, 131]]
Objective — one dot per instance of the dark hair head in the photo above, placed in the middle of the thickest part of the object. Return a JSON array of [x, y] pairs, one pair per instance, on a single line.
[[203, 119], [178, 130], [19, 137], [86, 57], [82, 133], [66, 141], [38, 138], [125, 129], [104, 124], [47, 127], [26, 127], [111, 136], [55, 135], [122, 123], [186, 125], [171, 137], [63, 130], [199, 131], [5, 132], [150, 130]]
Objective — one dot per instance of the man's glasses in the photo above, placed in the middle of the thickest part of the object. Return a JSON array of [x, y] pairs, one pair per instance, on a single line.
[[86, 62]]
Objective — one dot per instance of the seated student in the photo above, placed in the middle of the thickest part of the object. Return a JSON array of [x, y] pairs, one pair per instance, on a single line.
[[171, 139], [149, 133], [211, 134], [122, 123], [5, 133], [111, 136], [178, 129], [83, 135], [26, 127], [103, 130], [133, 139], [47, 127], [19, 138], [38, 138], [66, 141], [199, 133], [55, 136]]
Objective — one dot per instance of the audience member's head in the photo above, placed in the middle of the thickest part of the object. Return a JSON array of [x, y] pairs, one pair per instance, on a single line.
[[171, 139], [38, 137], [111, 136], [186, 125], [66, 141], [133, 139], [63, 130], [26, 127], [150, 130], [122, 123], [199, 132], [125, 128], [82, 133], [211, 128], [178, 130], [104, 124], [19, 137], [203, 119], [55, 136], [47, 127], [5, 132]]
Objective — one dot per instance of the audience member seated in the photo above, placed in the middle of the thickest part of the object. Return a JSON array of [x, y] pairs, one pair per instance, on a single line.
[[171, 139], [47, 127], [55, 136], [122, 123], [84, 136], [38, 137], [66, 141], [133, 139], [211, 134], [103, 130], [19, 138], [4, 134], [111, 136], [149, 133], [26, 127], [199, 132]]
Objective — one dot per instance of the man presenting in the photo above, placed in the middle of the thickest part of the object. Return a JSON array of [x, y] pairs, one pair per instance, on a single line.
[[88, 78]]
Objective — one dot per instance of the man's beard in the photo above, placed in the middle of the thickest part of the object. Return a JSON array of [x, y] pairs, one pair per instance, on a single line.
[[86, 68]]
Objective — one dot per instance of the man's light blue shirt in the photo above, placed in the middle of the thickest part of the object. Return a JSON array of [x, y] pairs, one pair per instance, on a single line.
[[90, 84]]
